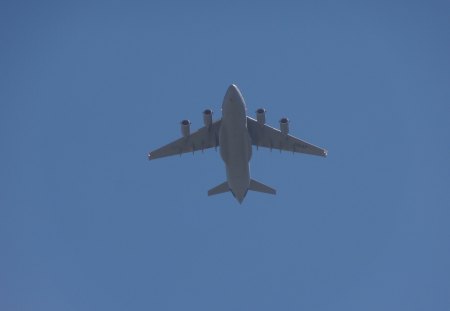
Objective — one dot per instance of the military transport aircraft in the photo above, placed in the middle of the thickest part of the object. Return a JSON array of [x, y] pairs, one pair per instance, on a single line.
[[235, 133]]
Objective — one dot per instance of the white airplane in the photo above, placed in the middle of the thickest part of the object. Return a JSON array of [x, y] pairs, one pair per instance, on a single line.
[[235, 133]]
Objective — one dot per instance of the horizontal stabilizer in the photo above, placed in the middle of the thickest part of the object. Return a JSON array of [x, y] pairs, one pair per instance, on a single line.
[[260, 187], [223, 187]]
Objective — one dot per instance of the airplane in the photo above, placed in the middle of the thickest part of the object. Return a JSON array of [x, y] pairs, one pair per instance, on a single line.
[[235, 134]]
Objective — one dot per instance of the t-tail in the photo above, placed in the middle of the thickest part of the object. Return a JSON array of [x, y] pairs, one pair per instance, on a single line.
[[254, 186]]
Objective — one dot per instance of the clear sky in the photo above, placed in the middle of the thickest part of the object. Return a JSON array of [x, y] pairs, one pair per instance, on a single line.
[[88, 223]]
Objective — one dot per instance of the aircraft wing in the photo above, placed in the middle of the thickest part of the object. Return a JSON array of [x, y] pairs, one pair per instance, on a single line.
[[204, 138], [269, 137]]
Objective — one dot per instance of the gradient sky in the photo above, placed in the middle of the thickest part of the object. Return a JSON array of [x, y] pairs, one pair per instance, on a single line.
[[88, 223]]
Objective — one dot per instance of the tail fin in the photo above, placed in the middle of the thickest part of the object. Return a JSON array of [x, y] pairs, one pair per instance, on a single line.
[[260, 187], [223, 187]]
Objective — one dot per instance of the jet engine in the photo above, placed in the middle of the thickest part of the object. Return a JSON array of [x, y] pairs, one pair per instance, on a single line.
[[261, 116], [207, 117], [185, 128], [284, 126]]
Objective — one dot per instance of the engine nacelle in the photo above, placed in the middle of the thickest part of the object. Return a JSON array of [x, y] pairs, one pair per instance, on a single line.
[[284, 126], [261, 116], [185, 128], [207, 117]]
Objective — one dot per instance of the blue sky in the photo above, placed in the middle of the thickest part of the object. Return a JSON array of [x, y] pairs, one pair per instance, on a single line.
[[88, 88]]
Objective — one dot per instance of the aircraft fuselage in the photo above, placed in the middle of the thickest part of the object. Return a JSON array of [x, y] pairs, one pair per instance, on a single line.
[[235, 143]]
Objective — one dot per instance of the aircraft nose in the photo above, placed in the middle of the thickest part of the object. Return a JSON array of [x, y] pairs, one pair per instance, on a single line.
[[232, 92], [233, 88]]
